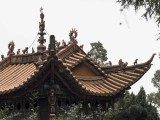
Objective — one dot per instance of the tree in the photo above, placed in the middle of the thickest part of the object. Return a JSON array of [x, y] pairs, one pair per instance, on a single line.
[[98, 53], [141, 97], [154, 98], [152, 7], [156, 79], [134, 107]]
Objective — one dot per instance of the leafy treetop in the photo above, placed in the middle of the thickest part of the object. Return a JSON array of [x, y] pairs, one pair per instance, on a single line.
[[98, 53]]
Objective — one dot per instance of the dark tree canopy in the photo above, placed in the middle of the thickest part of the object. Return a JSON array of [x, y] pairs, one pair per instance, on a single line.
[[134, 107], [141, 97], [151, 7], [98, 53]]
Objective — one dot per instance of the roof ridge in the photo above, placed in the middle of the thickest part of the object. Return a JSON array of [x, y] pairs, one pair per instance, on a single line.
[[118, 67], [5, 62], [144, 63], [63, 51]]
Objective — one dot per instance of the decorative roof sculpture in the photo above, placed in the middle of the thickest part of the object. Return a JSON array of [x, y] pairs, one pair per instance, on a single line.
[[66, 68], [11, 48], [73, 34], [41, 39]]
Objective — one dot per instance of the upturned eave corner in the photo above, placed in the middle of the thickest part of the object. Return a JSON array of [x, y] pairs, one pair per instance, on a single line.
[[115, 68], [151, 59]]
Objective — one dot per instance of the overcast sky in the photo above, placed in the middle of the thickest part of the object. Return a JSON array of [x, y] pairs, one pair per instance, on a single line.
[[125, 34]]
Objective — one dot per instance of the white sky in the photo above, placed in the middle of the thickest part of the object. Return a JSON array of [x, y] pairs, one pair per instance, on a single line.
[[95, 20]]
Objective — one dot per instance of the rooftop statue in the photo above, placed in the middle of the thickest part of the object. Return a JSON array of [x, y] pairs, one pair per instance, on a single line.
[[11, 47]]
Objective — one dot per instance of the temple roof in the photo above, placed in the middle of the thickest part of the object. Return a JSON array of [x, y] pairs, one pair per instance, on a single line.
[[75, 69], [17, 71]]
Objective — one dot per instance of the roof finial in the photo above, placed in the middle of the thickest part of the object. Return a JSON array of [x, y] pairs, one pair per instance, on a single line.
[[52, 47], [41, 10], [73, 35], [41, 39], [11, 47]]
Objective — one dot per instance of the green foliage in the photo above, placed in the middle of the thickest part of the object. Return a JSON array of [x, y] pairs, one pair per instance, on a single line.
[[7, 113], [98, 52], [18, 116], [151, 7], [77, 112], [130, 107], [73, 112], [154, 98], [22, 116], [141, 97], [134, 107], [156, 79]]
